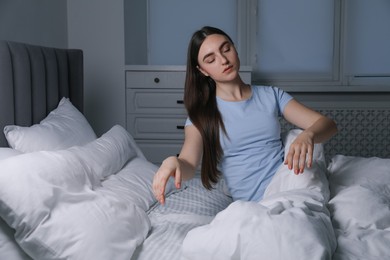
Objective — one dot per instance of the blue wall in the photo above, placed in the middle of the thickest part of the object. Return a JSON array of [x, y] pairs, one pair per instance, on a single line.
[[40, 22]]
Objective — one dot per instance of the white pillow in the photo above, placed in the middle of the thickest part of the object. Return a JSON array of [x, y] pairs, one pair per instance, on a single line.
[[54, 201], [64, 127], [110, 152], [346, 171], [9, 249]]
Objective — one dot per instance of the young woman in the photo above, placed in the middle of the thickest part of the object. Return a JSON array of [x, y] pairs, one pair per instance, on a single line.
[[232, 127]]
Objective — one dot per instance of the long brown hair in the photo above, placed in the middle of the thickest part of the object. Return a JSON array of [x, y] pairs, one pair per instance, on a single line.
[[201, 104]]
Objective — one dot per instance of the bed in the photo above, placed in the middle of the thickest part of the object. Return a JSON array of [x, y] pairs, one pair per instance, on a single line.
[[66, 193]]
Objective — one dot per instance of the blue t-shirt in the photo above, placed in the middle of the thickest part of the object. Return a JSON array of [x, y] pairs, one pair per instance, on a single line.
[[253, 148]]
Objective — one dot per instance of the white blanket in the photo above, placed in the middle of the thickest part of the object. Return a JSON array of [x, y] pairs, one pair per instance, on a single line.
[[291, 222], [360, 207]]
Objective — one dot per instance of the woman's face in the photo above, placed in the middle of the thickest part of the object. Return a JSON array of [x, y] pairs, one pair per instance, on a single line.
[[218, 58]]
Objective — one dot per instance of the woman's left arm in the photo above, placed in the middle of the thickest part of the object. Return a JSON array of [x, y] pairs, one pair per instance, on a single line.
[[316, 129]]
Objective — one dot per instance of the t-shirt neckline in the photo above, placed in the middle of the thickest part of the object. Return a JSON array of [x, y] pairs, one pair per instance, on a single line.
[[239, 101]]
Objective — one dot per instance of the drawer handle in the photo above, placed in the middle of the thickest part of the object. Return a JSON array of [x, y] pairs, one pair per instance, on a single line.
[[180, 127], [179, 102], [156, 80]]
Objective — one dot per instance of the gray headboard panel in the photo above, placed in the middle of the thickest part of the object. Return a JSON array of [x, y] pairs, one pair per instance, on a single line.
[[33, 79]]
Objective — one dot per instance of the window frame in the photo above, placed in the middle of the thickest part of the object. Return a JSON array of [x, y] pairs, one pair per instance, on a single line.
[[338, 82]]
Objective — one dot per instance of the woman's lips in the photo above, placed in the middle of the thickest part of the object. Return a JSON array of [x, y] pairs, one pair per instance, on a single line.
[[228, 68]]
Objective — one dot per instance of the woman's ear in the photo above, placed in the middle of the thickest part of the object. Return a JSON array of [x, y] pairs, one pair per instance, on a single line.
[[202, 71]]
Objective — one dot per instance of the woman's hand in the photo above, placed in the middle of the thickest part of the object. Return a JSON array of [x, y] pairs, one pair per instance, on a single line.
[[318, 129], [300, 152], [169, 168]]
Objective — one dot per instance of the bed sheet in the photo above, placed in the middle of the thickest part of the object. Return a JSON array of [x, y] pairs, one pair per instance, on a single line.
[[185, 209]]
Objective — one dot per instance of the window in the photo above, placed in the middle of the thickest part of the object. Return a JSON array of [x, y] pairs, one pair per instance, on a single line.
[[318, 45], [367, 41], [170, 24], [294, 39], [302, 44]]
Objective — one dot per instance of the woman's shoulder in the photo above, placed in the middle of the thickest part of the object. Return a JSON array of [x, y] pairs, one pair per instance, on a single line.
[[270, 93]]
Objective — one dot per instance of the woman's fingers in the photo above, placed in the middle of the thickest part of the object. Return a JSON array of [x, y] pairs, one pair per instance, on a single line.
[[299, 157], [296, 162], [161, 178], [310, 151], [302, 162], [288, 159], [159, 187], [178, 178]]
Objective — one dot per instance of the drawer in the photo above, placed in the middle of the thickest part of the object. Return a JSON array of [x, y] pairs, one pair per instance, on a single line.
[[155, 79], [156, 126], [156, 152], [155, 101]]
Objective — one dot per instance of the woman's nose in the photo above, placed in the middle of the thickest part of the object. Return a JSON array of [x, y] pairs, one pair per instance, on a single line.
[[224, 60]]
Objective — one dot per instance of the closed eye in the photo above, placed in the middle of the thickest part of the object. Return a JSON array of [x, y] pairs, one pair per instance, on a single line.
[[226, 47]]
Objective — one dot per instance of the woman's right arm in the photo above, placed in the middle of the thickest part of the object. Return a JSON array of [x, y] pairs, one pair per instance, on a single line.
[[180, 167]]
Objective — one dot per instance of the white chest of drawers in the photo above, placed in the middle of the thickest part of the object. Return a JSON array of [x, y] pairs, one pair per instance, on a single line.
[[155, 113]]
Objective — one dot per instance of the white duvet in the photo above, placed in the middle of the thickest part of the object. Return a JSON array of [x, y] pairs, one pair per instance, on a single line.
[[291, 222], [360, 207]]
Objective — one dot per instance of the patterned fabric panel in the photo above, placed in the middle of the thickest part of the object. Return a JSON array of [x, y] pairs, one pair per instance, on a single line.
[[362, 132]]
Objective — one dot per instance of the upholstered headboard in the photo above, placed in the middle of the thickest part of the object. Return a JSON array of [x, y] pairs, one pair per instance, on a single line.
[[32, 81]]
